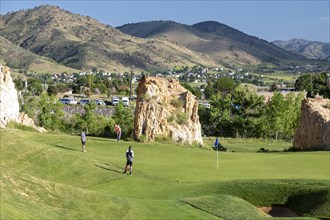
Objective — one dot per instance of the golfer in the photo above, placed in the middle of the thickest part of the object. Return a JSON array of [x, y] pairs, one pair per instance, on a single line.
[[83, 141], [129, 158], [118, 132]]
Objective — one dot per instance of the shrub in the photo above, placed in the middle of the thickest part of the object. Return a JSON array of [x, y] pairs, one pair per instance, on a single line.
[[142, 138], [182, 118], [170, 118], [177, 103], [327, 105], [163, 138]]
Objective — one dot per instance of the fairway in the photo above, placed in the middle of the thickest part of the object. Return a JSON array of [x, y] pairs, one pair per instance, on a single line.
[[46, 176]]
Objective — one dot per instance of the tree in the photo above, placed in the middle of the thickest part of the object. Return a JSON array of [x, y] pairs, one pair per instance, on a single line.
[[305, 83], [274, 115], [247, 108], [35, 86], [87, 121], [220, 115], [314, 84], [205, 120], [209, 90], [291, 114], [50, 115], [123, 116], [224, 85], [195, 91]]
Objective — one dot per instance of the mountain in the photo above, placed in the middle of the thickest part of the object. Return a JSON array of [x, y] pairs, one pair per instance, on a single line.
[[83, 43], [18, 58], [310, 49], [224, 44]]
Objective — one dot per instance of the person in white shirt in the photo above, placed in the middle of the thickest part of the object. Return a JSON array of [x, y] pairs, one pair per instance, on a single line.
[[83, 141]]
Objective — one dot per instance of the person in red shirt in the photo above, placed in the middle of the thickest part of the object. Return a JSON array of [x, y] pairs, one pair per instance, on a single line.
[[118, 131]]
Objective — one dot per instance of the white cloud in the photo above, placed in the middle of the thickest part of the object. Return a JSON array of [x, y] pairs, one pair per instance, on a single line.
[[325, 18]]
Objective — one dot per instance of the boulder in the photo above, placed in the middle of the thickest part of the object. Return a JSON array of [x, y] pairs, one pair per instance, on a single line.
[[314, 126], [166, 109]]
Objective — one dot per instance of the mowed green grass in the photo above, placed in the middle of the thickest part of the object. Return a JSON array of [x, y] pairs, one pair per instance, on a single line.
[[46, 176]]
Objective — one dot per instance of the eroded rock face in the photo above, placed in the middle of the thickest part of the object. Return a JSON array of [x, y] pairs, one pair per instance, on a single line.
[[24, 119], [9, 106], [165, 109], [314, 125]]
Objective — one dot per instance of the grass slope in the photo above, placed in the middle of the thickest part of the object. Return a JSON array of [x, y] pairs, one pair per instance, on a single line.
[[46, 176], [18, 58]]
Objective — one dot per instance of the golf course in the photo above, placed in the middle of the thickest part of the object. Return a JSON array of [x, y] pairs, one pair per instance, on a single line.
[[47, 176]]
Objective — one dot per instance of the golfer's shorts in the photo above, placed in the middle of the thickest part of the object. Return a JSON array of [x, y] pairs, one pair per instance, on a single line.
[[129, 163]]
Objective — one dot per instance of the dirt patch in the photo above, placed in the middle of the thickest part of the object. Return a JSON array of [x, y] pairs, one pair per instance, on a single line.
[[278, 211]]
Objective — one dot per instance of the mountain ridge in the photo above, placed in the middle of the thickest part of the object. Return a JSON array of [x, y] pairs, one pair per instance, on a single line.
[[84, 43], [211, 37], [309, 49]]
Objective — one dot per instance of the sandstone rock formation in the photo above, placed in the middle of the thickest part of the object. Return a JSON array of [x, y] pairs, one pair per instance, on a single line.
[[314, 125], [9, 107], [165, 109], [24, 119]]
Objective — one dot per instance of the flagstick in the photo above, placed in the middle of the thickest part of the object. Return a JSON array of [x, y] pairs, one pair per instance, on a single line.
[[217, 157]]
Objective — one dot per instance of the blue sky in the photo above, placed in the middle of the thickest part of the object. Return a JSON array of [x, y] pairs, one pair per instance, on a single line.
[[268, 20]]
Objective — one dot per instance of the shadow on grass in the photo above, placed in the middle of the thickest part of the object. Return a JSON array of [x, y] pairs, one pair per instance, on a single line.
[[105, 168], [105, 139], [66, 148]]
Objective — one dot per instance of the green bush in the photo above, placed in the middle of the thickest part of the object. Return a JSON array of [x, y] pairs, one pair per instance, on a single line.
[[177, 103], [182, 118], [170, 118], [142, 138], [163, 138]]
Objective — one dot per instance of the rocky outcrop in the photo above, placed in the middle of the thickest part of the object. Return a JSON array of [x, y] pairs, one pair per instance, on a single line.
[[9, 107], [24, 119], [165, 109], [314, 125]]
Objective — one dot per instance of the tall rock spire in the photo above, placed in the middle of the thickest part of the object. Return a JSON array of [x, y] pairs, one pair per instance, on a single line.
[[165, 109]]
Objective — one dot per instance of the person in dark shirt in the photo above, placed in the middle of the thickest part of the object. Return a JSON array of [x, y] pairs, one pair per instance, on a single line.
[[83, 141], [129, 158]]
